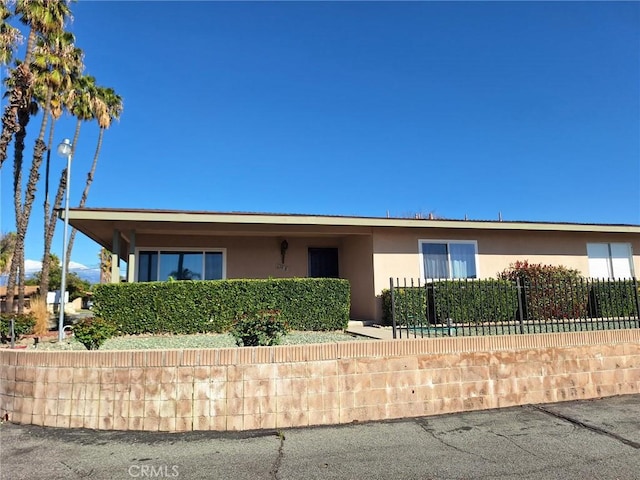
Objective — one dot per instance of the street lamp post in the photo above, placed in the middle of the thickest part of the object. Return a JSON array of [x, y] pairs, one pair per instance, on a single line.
[[64, 150]]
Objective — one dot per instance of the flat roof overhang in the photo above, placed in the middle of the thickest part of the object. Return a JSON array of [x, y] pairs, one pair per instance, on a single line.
[[99, 224]]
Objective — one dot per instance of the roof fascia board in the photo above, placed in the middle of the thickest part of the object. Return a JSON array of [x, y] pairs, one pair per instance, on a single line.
[[188, 217]]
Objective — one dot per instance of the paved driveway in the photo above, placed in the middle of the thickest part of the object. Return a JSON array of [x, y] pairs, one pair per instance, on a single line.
[[598, 439]]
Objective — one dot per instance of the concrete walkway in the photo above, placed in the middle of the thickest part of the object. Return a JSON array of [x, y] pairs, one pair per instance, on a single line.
[[596, 439], [369, 330]]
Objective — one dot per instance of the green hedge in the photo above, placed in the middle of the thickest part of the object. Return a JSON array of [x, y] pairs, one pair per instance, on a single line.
[[212, 306], [475, 301], [613, 299], [411, 305], [458, 300]]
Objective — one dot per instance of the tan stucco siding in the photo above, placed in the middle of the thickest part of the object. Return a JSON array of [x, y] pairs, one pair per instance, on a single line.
[[251, 257], [396, 252], [356, 264]]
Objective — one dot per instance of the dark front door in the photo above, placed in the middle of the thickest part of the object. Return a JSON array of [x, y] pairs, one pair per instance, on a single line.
[[323, 262]]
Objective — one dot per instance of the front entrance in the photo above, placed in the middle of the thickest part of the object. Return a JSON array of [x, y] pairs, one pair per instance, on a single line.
[[323, 262]]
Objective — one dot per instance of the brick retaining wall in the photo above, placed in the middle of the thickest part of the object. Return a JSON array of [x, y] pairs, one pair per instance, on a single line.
[[291, 386]]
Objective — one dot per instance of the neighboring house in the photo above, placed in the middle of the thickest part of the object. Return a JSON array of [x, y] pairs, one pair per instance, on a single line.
[[29, 291], [158, 244]]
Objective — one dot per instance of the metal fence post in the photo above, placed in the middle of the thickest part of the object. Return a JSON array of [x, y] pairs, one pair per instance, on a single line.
[[520, 309], [13, 331], [635, 293], [393, 307]]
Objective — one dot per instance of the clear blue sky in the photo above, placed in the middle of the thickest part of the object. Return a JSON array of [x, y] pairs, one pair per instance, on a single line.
[[531, 109]]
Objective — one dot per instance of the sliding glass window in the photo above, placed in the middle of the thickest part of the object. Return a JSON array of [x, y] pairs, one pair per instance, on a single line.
[[162, 265], [448, 259]]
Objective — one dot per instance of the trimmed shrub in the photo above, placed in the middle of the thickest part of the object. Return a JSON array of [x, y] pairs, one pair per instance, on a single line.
[[457, 300], [552, 292], [613, 299], [410, 303], [93, 332], [259, 329], [475, 301], [23, 325], [184, 307]]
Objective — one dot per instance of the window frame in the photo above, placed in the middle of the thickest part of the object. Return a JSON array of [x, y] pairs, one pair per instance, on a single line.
[[610, 258], [160, 250], [448, 242]]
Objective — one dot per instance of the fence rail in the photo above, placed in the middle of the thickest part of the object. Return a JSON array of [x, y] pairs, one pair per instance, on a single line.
[[500, 307]]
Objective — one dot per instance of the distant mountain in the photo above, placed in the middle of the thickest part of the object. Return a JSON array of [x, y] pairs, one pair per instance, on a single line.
[[31, 267]]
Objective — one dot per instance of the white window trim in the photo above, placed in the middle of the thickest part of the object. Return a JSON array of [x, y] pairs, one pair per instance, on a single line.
[[612, 275], [185, 249], [447, 241]]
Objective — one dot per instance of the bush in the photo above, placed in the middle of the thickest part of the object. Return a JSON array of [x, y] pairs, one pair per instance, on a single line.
[[262, 328], [185, 307], [410, 305], [612, 299], [23, 325], [474, 301], [552, 292], [93, 332], [457, 300]]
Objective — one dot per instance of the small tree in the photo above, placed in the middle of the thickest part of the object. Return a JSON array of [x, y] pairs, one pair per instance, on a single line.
[[75, 285], [93, 332], [262, 328]]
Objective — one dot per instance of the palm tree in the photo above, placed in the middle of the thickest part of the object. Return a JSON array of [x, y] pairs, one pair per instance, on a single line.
[[55, 60], [9, 36], [45, 19], [105, 265], [80, 101], [64, 65], [16, 84], [108, 107]]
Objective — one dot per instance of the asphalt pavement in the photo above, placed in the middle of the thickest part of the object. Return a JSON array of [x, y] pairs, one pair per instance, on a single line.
[[594, 439]]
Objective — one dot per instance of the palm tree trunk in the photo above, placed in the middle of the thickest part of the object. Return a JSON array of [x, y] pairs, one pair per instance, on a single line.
[[76, 135], [48, 233], [85, 192], [31, 44], [25, 78], [51, 228], [105, 265], [18, 157], [23, 212]]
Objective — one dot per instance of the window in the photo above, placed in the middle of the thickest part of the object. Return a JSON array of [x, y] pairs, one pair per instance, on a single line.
[[610, 260], [159, 265], [448, 259]]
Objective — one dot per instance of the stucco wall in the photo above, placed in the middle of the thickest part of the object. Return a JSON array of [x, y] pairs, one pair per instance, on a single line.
[[396, 251], [369, 257], [357, 266], [292, 386]]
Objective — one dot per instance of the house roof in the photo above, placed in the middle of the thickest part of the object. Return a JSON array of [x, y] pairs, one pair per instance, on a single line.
[[99, 223], [29, 290]]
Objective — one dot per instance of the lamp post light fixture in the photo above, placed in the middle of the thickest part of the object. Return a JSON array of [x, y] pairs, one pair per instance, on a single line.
[[64, 150]]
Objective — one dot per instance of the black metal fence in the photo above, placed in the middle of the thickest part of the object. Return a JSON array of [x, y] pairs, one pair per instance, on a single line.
[[500, 307]]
